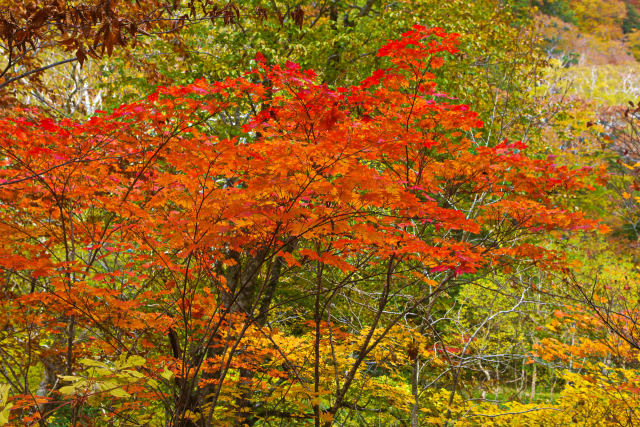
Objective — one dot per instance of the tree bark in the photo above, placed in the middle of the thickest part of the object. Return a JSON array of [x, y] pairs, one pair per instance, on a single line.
[[534, 377]]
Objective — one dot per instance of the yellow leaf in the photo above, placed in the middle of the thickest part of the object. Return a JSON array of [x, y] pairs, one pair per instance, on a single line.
[[136, 361], [118, 392], [91, 362], [167, 374], [326, 417], [67, 390], [4, 406]]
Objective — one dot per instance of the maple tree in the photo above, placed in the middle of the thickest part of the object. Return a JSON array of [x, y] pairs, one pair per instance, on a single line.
[[145, 250]]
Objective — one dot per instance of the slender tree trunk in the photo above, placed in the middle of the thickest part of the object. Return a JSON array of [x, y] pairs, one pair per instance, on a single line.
[[534, 377], [415, 408], [53, 366], [316, 349], [522, 383], [488, 375], [497, 391]]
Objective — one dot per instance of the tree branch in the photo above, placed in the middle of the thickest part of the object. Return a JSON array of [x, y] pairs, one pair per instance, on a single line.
[[37, 70]]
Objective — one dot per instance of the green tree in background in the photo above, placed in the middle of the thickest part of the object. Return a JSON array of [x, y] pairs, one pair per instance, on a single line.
[[558, 8], [632, 21], [500, 61]]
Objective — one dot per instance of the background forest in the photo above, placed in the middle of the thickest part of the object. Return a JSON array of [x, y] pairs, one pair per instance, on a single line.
[[319, 212]]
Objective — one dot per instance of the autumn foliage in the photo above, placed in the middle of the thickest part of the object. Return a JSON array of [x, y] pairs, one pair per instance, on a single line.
[[146, 252]]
